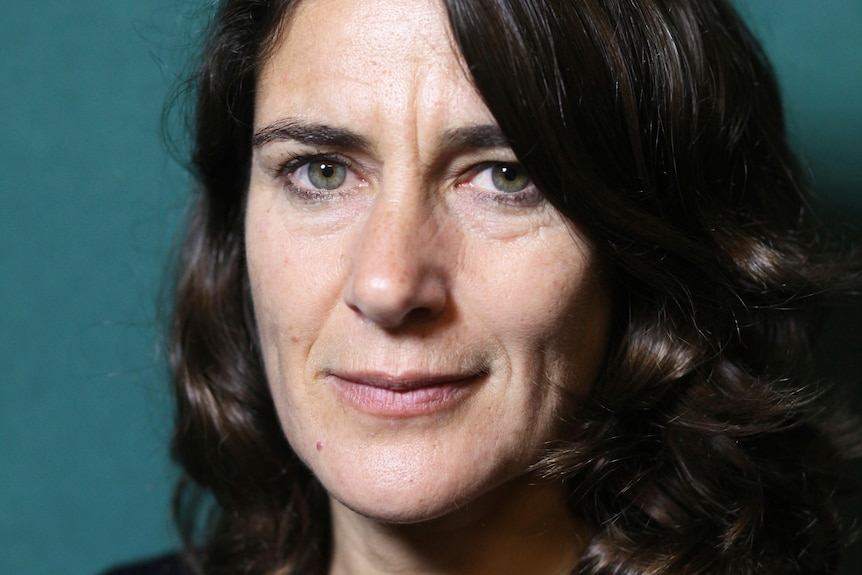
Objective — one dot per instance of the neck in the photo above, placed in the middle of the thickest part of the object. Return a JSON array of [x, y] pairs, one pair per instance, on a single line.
[[517, 528]]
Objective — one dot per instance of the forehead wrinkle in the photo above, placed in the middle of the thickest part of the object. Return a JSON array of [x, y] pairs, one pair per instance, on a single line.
[[412, 101], [443, 118], [428, 85]]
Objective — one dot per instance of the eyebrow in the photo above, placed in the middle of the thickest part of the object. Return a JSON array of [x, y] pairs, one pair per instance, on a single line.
[[315, 134], [307, 133], [474, 138]]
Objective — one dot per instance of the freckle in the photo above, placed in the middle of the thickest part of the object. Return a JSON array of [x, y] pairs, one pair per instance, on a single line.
[[320, 446]]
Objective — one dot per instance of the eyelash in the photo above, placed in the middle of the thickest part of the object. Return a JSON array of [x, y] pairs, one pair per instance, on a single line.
[[529, 196], [286, 170]]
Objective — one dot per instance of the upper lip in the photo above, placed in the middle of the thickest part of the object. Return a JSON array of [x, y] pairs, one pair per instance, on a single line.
[[404, 381]]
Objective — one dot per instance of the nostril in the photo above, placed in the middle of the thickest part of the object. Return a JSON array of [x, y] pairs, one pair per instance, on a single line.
[[420, 315]]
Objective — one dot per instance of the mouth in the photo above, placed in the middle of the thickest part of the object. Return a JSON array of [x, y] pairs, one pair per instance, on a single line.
[[404, 395]]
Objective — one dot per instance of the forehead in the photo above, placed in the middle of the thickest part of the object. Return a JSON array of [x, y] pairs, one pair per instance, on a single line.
[[345, 61]]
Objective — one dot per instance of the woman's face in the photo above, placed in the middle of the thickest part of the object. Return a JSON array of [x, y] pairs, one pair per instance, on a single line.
[[425, 316]]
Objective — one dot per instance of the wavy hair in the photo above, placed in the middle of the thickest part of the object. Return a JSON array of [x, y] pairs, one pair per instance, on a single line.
[[656, 126]]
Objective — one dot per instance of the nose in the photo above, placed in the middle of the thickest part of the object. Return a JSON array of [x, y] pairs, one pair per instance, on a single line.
[[397, 274]]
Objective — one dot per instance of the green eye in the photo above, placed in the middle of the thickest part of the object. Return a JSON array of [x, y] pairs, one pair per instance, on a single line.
[[509, 178], [326, 175]]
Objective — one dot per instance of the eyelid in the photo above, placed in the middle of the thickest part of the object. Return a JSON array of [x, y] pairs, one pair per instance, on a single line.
[[529, 196], [458, 176], [284, 172], [470, 173], [480, 167], [298, 160]]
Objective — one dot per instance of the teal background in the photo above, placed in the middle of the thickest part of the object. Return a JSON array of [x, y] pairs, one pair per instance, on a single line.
[[89, 206]]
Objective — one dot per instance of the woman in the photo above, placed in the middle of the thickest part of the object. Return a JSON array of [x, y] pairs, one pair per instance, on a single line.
[[499, 286]]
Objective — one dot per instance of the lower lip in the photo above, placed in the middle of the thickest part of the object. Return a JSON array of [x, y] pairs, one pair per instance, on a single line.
[[387, 402]]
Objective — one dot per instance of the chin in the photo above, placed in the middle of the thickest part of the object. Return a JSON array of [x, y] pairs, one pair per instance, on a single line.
[[405, 506], [390, 512], [407, 487]]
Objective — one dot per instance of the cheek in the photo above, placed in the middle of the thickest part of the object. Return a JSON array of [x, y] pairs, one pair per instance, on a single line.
[[540, 293], [290, 307], [548, 307], [271, 277], [294, 280]]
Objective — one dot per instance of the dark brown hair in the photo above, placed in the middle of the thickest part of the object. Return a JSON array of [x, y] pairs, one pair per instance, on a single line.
[[656, 126]]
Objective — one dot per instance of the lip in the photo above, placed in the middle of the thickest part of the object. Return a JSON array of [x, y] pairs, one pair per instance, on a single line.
[[405, 395]]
